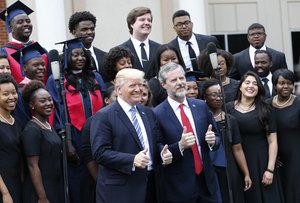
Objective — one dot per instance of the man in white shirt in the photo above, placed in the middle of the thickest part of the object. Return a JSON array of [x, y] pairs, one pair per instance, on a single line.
[[244, 60], [139, 22], [83, 24], [262, 66], [189, 44]]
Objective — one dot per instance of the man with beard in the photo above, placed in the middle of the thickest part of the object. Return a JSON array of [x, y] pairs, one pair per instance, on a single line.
[[244, 60], [83, 24], [189, 44], [187, 127], [19, 25], [139, 22], [263, 65]]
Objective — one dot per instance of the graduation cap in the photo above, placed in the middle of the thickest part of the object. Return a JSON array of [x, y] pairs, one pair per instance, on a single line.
[[69, 45], [23, 55], [13, 10], [192, 76]]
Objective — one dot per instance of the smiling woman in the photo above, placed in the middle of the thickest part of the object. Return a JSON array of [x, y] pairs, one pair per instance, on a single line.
[[83, 97], [259, 134], [10, 131], [42, 148]]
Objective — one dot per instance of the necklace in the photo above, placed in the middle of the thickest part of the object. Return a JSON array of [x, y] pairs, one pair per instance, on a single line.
[[42, 124], [281, 105], [249, 108], [225, 82], [217, 116], [6, 121]]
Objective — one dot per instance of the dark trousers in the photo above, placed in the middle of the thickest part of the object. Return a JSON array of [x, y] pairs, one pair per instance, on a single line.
[[204, 195], [151, 189]]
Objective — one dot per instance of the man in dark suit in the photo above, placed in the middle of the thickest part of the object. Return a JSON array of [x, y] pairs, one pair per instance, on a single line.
[[82, 24], [244, 60], [188, 43], [262, 66], [123, 138], [139, 22], [187, 127]]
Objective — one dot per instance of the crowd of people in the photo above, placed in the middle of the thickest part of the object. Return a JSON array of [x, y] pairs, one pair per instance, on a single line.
[[145, 122]]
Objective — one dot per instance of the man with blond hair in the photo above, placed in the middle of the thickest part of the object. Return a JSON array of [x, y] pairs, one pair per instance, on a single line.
[[123, 138]]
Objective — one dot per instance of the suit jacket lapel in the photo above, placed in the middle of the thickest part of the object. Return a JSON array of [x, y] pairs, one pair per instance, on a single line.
[[147, 126], [129, 44], [172, 116], [124, 118], [247, 58], [178, 48], [196, 116]]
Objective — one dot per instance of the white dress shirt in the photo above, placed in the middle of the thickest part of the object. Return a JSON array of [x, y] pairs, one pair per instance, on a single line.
[[184, 50], [252, 51], [187, 110], [137, 46], [94, 56], [126, 108]]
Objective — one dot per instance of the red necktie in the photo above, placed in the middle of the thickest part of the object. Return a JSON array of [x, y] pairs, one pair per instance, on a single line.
[[187, 124]]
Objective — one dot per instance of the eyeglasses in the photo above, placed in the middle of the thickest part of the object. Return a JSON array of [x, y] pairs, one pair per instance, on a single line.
[[214, 95], [253, 34], [222, 63], [186, 24]]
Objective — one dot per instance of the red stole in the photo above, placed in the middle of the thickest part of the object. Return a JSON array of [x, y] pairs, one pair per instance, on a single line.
[[76, 107], [15, 66]]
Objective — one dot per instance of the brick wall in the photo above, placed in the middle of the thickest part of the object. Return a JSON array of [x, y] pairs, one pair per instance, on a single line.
[[3, 33]]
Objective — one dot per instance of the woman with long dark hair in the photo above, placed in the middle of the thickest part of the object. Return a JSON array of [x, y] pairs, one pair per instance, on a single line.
[[83, 96], [259, 139], [165, 54]]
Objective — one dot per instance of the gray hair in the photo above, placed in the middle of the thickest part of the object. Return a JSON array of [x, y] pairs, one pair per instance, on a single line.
[[167, 68], [126, 74]]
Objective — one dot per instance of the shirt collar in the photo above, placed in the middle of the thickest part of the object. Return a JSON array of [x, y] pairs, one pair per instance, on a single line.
[[253, 50], [124, 105], [137, 43], [175, 104], [183, 42], [17, 41]]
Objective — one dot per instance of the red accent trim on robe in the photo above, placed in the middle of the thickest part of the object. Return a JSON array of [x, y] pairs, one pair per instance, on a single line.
[[76, 107], [15, 66]]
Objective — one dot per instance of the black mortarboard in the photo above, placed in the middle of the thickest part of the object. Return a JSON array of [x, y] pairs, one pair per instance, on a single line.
[[25, 54], [13, 10], [69, 45], [192, 76]]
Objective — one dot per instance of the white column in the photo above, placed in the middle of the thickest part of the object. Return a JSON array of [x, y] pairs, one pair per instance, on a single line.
[[196, 9], [51, 26]]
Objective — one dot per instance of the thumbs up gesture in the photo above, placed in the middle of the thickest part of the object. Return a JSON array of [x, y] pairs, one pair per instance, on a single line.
[[210, 137], [166, 155], [187, 139]]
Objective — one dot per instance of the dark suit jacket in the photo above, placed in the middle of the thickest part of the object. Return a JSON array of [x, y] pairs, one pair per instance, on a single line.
[[114, 145], [202, 41], [100, 58], [179, 181], [242, 62], [137, 64]]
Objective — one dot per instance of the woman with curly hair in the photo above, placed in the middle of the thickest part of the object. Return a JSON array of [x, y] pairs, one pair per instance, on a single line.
[[83, 96], [42, 148], [117, 59]]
